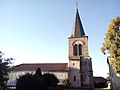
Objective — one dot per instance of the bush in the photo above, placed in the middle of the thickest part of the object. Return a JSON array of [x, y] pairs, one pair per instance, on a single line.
[[30, 82], [37, 81], [50, 80]]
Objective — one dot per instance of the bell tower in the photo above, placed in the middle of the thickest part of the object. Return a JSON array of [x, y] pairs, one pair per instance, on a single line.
[[80, 66]]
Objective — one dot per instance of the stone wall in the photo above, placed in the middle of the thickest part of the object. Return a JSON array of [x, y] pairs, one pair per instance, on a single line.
[[74, 73], [80, 40], [86, 73], [114, 77], [60, 75]]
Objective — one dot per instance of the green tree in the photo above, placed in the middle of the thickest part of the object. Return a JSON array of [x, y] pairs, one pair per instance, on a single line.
[[37, 81], [5, 65], [38, 72], [50, 80], [31, 81], [111, 44]]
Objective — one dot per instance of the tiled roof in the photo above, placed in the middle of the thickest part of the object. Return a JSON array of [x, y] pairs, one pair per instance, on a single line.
[[42, 66]]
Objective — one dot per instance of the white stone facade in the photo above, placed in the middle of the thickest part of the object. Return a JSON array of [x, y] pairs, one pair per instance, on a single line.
[[61, 75], [74, 73]]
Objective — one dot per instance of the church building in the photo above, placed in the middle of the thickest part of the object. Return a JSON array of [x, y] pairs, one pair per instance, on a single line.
[[80, 66], [79, 69]]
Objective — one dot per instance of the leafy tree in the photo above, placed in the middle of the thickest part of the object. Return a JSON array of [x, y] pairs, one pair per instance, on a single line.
[[50, 80], [38, 72], [24, 82], [37, 81], [30, 82], [111, 44], [4, 69]]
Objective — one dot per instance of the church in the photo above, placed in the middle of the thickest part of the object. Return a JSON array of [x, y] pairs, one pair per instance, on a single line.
[[79, 68]]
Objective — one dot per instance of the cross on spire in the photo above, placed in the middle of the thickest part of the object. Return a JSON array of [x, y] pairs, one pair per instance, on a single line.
[[76, 4], [77, 30]]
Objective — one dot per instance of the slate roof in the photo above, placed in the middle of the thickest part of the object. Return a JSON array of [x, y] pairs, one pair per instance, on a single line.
[[42, 66], [77, 30]]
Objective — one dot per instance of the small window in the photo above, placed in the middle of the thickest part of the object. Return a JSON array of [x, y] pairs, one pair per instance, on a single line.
[[74, 78], [73, 63]]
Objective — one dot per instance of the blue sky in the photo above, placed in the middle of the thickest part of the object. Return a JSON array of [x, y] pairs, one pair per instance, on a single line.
[[37, 31]]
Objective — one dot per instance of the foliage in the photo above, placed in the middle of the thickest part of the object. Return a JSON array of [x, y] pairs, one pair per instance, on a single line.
[[111, 43], [4, 69], [53, 88], [30, 82], [50, 80], [37, 81], [38, 72]]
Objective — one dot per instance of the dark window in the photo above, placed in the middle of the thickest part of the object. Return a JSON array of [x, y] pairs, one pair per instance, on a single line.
[[74, 78], [73, 63], [75, 50], [80, 49]]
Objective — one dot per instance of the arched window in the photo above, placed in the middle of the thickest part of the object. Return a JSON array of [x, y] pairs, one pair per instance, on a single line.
[[80, 49], [75, 50], [74, 78]]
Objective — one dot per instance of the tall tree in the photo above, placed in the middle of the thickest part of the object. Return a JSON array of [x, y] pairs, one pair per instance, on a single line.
[[38, 72], [111, 44], [4, 69]]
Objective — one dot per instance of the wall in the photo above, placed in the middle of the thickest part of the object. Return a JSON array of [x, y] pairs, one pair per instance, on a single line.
[[114, 77], [86, 73], [60, 75], [74, 73]]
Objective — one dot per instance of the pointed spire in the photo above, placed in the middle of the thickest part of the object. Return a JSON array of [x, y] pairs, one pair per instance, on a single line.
[[77, 30], [76, 4]]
